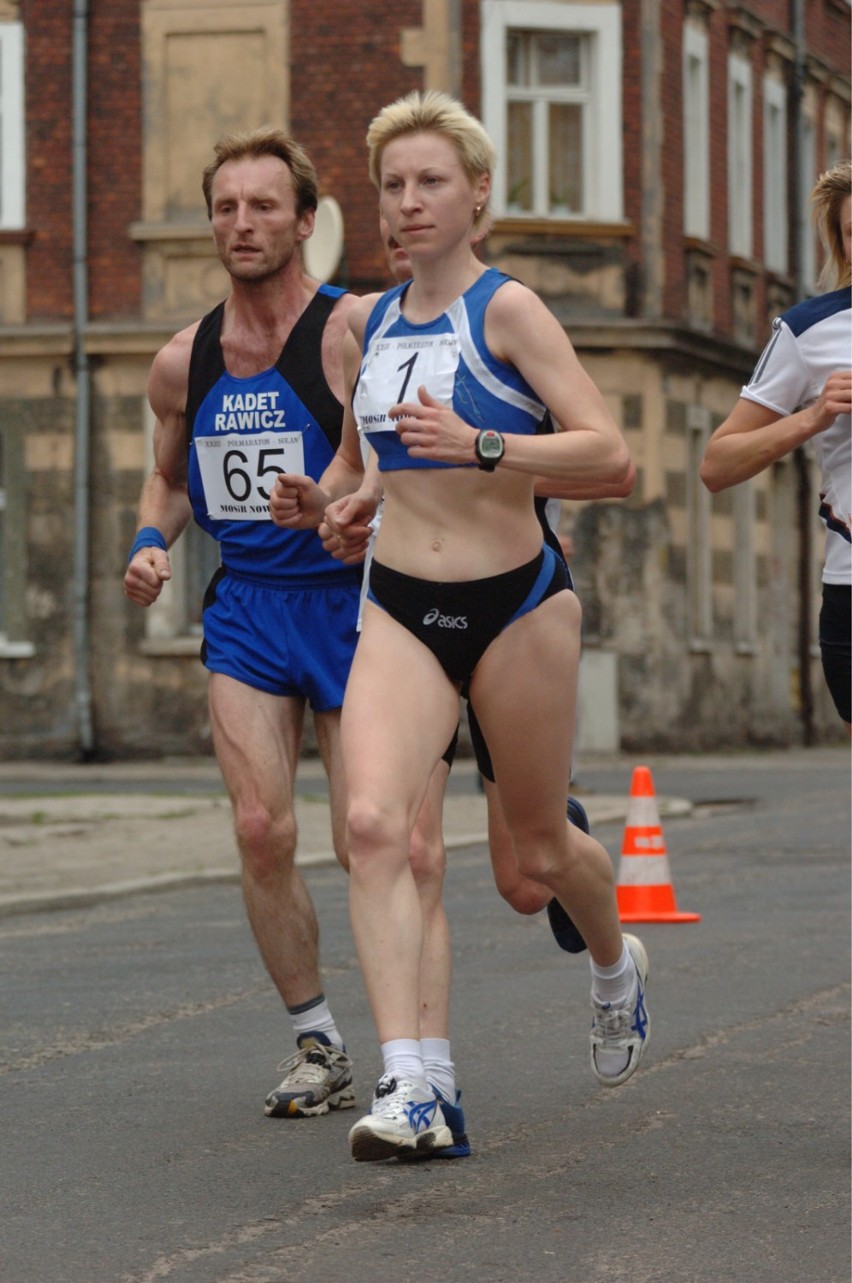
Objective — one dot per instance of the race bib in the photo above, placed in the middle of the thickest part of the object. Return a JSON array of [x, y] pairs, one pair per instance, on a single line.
[[239, 471], [396, 367]]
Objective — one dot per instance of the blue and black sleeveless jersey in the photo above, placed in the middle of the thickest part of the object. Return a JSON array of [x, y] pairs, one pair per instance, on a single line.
[[242, 432]]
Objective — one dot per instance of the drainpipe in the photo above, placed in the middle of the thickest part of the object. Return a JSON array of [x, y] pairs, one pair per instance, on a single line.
[[803, 474], [82, 430]]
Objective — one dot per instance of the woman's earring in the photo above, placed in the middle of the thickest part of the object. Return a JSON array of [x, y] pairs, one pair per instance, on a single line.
[[477, 210]]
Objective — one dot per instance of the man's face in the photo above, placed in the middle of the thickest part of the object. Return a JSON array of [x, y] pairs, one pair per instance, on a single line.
[[255, 225], [398, 259]]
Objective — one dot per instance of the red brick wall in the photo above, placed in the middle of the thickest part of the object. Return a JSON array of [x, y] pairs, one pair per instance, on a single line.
[[633, 124], [345, 68], [718, 71], [114, 155], [671, 161], [115, 150], [48, 144]]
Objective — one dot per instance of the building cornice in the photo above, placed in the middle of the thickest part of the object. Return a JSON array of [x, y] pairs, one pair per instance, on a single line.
[[657, 337]]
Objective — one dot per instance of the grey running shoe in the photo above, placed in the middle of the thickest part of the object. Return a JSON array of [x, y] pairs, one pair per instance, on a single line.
[[317, 1078], [625, 1029], [404, 1119]]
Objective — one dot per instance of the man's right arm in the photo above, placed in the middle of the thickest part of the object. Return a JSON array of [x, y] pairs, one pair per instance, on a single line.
[[299, 502], [164, 507]]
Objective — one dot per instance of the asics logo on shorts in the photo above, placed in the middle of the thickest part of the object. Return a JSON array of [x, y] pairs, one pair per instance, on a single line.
[[434, 616]]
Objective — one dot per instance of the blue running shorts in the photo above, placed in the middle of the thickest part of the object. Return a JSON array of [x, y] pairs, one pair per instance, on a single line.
[[285, 640]]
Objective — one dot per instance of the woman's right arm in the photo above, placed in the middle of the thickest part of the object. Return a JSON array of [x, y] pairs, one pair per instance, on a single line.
[[754, 436]]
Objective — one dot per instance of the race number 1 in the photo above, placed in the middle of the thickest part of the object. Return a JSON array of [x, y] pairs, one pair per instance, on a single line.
[[396, 367], [239, 471]]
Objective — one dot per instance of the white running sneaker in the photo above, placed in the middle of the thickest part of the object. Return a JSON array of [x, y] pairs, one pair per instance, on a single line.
[[403, 1118], [622, 1033], [317, 1078]]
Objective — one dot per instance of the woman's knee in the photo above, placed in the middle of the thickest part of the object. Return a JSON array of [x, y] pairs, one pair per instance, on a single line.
[[522, 894], [538, 847], [372, 829], [427, 856]]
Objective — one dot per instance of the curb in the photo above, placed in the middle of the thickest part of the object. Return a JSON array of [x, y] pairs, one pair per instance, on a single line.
[[85, 897]]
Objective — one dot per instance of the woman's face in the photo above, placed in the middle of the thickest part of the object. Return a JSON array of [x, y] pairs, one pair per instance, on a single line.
[[846, 227], [426, 197]]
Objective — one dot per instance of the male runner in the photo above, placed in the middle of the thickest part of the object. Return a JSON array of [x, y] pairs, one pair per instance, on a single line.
[[251, 390]]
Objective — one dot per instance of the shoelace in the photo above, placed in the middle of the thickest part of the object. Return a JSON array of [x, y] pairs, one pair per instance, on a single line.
[[390, 1098], [312, 1063], [612, 1022]]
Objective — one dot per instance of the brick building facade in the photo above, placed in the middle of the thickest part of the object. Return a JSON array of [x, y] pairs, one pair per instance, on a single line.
[[684, 135]]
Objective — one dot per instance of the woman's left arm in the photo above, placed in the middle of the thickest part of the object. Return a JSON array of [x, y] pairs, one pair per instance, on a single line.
[[588, 449]]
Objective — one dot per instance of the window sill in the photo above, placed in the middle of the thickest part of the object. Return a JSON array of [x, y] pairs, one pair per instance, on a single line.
[[562, 227], [171, 647], [16, 236], [16, 650]]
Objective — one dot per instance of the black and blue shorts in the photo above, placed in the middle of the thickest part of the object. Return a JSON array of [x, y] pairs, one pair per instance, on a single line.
[[457, 622]]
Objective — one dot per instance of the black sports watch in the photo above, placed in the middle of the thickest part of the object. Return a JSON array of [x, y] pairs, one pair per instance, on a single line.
[[489, 448]]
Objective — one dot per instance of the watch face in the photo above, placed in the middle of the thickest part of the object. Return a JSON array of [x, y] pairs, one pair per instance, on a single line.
[[491, 445]]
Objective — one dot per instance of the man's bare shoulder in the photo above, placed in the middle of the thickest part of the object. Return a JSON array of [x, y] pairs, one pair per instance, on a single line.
[[169, 375], [173, 357], [359, 314]]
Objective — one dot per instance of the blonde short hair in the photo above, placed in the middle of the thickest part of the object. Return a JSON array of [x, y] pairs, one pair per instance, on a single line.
[[827, 199], [433, 112]]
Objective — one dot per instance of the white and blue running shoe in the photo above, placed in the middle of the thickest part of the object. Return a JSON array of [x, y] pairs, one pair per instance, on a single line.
[[404, 1121], [454, 1118], [621, 1033]]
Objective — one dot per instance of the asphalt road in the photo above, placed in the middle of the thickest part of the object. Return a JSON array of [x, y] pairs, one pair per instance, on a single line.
[[138, 1039]]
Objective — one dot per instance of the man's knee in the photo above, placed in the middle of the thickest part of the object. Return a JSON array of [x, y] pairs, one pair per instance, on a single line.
[[267, 842]]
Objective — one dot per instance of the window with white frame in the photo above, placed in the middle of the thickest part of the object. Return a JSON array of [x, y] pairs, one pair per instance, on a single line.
[[739, 156], [775, 215], [11, 125], [696, 134], [551, 92]]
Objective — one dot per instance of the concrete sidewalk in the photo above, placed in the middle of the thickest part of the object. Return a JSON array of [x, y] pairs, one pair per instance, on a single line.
[[71, 835]]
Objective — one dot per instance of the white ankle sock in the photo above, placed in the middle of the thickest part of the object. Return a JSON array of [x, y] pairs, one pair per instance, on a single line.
[[315, 1017], [402, 1059], [440, 1070], [614, 984]]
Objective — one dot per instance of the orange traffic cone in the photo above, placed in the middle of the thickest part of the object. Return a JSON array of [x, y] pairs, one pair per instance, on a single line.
[[645, 892]]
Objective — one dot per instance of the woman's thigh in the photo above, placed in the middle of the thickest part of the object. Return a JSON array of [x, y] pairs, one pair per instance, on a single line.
[[399, 713], [524, 690]]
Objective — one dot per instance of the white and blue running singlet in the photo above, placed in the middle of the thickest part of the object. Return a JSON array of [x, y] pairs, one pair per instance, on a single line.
[[809, 342], [448, 356], [242, 432]]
